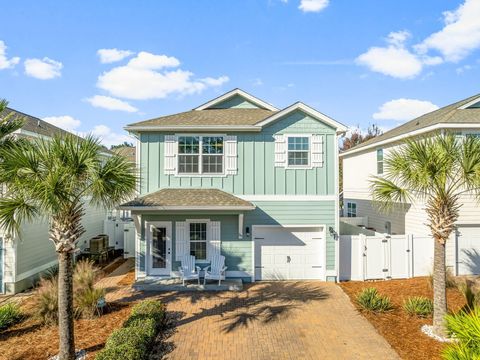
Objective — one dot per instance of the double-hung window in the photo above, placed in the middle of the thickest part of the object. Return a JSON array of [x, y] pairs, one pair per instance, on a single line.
[[200, 154], [298, 151], [379, 161], [351, 209], [198, 240]]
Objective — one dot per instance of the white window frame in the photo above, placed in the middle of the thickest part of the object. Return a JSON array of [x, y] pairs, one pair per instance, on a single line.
[[200, 155], [199, 221], [382, 161], [349, 209], [309, 151]]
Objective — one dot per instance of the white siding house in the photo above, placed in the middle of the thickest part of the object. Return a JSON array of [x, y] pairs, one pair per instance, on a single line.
[[364, 161]]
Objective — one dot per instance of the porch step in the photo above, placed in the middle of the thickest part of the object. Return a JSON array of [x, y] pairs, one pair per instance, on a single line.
[[175, 284]]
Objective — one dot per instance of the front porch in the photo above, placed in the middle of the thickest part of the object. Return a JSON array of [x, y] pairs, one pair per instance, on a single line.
[[158, 283]]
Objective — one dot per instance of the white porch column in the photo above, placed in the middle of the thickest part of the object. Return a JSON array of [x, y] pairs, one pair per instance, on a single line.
[[137, 220], [240, 226]]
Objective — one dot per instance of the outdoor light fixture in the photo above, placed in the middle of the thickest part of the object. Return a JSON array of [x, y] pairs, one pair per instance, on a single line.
[[247, 231]]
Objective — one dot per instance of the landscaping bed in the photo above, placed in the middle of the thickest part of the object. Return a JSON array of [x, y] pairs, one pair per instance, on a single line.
[[396, 326]]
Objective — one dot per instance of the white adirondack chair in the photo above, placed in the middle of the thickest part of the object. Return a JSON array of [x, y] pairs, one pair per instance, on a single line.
[[188, 270], [216, 269]]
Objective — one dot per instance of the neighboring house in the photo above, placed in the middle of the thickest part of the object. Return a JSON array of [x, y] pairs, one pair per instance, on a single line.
[[128, 152], [24, 258], [238, 176], [366, 160]]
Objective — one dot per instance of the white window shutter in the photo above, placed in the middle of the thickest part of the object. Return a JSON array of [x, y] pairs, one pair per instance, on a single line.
[[231, 155], [170, 152], [214, 241], [317, 150], [182, 243], [280, 150]]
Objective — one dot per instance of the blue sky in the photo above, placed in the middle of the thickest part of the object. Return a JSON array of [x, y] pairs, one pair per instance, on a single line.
[[360, 62]]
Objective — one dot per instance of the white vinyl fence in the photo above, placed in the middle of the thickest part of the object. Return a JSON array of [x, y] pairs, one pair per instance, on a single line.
[[385, 256]]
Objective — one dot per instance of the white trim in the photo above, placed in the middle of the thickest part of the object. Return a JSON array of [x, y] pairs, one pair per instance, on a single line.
[[337, 217], [138, 146], [287, 197], [137, 220], [470, 103], [184, 208], [411, 133], [290, 226], [36, 270], [148, 236], [307, 109], [253, 257], [233, 93], [309, 151], [196, 128]]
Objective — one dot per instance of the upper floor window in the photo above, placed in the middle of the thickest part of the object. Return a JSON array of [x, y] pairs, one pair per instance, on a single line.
[[298, 151], [200, 154], [351, 209], [379, 161]]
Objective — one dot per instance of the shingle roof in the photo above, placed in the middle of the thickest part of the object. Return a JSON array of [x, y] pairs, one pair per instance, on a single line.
[[450, 114], [210, 117], [189, 199]]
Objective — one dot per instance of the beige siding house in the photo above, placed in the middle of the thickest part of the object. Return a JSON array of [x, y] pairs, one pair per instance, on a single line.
[[366, 160], [25, 257]]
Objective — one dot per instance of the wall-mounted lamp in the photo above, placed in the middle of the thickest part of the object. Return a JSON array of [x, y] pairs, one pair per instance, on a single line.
[[247, 231], [332, 232]]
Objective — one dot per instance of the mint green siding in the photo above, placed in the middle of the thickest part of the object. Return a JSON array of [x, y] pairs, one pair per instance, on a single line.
[[297, 213], [235, 102], [238, 255], [256, 171]]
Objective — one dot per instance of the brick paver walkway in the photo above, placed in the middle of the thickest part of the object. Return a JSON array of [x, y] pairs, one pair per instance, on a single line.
[[278, 320]]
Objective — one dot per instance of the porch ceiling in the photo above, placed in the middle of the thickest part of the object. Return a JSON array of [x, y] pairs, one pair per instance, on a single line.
[[188, 199]]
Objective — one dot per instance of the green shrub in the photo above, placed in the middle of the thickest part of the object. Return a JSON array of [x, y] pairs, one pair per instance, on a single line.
[[86, 302], [468, 292], [369, 299], [465, 327], [134, 340], [150, 308], [450, 281], [418, 306], [47, 300], [10, 314]]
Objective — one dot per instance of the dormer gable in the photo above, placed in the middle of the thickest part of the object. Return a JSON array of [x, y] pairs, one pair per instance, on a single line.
[[236, 99]]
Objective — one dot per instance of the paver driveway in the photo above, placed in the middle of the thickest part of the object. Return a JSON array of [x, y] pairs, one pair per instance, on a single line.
[[273, 320]]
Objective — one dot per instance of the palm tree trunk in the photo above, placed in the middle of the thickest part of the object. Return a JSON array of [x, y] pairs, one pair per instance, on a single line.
[[439, 288], [65, 306]]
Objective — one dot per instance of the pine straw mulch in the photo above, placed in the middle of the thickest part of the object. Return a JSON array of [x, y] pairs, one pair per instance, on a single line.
[[30, 339], [399, 329]]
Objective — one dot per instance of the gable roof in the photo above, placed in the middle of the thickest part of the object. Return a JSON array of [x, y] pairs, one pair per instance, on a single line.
[[456, 115], [206, 118], [237, 92], [188, 199]]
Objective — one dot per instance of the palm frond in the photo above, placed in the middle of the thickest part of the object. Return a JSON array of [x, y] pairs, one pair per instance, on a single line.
[[14, 210]]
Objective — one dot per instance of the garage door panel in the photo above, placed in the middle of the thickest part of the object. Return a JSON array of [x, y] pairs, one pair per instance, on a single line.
[[289, 253]]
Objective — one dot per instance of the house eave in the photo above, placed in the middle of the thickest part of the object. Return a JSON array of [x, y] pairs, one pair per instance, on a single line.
[[241, 128], [187, 208]]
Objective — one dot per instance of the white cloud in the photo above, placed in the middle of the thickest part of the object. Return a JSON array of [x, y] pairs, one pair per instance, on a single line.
[[460, 35], [313, 5], [112, 55], [404, 109], [109, 137], [65, 122], [464, 68], [141, 79], [145, 60], [109, 103], [43, 69], [6, 63], [394, 60]]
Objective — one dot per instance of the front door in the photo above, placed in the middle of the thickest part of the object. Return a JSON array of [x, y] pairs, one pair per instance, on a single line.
[[159, 259]]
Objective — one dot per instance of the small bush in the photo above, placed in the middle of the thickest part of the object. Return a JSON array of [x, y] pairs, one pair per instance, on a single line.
[[369, 299], [468, 292], [85, 274], [465, 327], [150, 308], [134, 340], [10, 314], [418, 306], [86, 302], [47, 300]]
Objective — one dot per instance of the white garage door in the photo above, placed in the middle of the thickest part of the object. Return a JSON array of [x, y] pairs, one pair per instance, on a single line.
[[287, 253], [468, 250]]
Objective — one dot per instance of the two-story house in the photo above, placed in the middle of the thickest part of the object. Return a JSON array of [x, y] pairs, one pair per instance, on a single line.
[[366, 160], [238, 176]]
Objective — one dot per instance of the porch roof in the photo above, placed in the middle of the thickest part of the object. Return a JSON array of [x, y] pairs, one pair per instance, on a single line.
[[188, 199]]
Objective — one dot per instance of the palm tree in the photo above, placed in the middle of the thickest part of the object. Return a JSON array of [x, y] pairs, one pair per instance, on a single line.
[[436, 170], [55, 179], [9, 123]]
